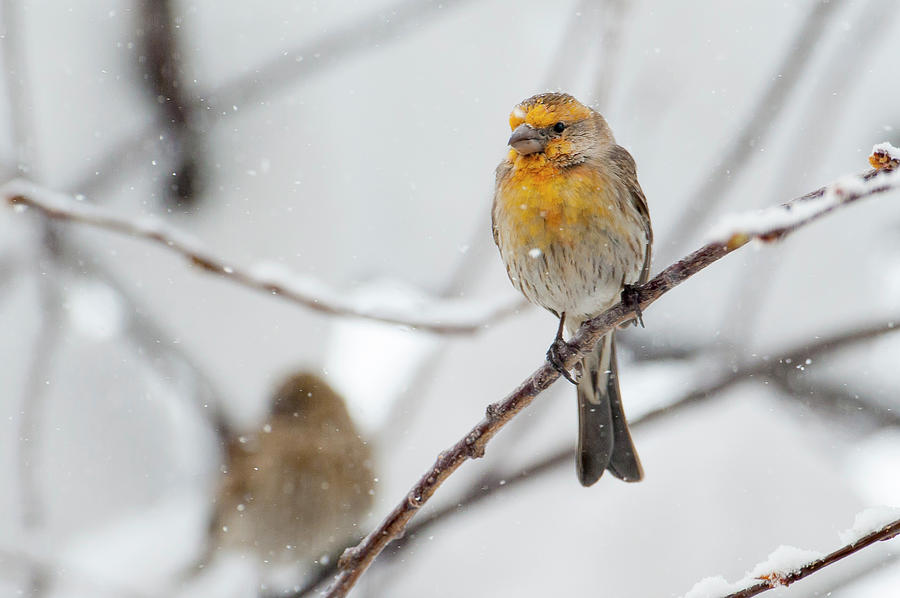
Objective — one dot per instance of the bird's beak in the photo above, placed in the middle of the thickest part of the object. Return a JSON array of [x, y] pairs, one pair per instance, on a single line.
[[526, 140]]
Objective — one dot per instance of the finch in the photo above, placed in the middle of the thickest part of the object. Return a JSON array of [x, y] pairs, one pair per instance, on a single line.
[[573, 229], [296, 488]]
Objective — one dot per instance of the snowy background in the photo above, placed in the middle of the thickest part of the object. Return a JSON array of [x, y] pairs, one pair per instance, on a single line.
[[365, 159]]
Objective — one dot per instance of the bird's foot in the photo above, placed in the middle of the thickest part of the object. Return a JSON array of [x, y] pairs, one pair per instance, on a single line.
[[631, 298], [557, 354]]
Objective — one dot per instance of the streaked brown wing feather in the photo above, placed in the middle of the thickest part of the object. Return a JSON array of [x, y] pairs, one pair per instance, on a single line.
[[628, 171]]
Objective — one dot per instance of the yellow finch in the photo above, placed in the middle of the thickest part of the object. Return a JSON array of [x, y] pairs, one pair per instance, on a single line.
[[573, 229]]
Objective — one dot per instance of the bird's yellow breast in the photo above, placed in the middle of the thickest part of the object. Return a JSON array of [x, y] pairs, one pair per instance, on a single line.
[[540, 204]]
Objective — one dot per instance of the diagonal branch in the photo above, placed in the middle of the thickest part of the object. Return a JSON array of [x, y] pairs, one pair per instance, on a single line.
[[452, 316], [366, 32], [776, 368], [773, 224], [773, 578], [835, 399]]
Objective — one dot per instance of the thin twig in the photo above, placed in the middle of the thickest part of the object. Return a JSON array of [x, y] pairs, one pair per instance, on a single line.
[[356, 560], [738, 155], [775, 580], [443, 317], [834, 398]]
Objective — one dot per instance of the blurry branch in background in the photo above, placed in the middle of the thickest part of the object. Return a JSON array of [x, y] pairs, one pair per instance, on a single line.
[[34, 396], [9, 269], [17, 91], [770, 225], [161, 58], [740, 151], [366, 32], [443, 317], [150, 339], [773, 575], [612, 28], [119, 160], [15, 66], [253, 89], [837, 400], [662, 350], [37, 380], [576, 35]]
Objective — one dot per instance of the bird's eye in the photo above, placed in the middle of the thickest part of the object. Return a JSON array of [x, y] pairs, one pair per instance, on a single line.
[[559, 127]]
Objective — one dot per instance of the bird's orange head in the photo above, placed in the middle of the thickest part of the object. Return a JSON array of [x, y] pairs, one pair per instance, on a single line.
[[556, 128]]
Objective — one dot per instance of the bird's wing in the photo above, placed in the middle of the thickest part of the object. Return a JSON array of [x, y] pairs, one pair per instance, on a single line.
[[628, 171]]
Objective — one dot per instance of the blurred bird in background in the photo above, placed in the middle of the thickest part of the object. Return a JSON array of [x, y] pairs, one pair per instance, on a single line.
[[573, 229], [296, 489]]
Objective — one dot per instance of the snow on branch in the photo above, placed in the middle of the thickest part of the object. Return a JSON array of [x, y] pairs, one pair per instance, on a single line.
[[884, 155], [357, 559], [401, 307], [773, 223], [788, 564]]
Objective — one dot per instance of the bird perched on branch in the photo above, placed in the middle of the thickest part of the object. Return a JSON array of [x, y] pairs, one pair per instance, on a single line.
[[296, 488], [573, 229]]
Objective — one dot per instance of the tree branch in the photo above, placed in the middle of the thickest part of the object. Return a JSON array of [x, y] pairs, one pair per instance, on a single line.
[[776, 368], [775, 579], [444, 317], [768, 225], [781, 222]]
